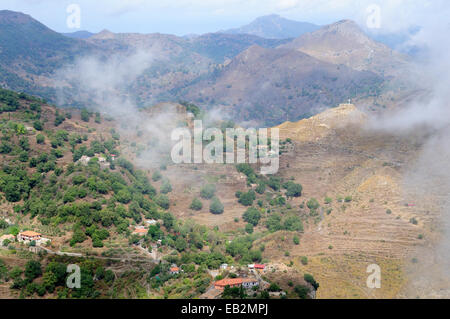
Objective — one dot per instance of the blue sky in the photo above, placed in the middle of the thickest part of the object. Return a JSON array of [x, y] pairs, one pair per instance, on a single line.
[[182, 17]]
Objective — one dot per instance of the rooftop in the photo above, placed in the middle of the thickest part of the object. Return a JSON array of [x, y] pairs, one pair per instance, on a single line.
[[30, 233]]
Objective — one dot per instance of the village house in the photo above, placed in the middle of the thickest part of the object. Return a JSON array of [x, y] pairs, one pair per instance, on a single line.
[[236, 282], [84, 160], [174, 270], [249, 283], [151, 222], [140, 231], [224, 266], [28, 236], [232, 282]]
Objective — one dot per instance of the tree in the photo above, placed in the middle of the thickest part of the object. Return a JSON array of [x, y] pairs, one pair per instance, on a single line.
[[293, 223], [302, 291], [123, 196], [59, 270], [38, 126], [247, 199], [313, 204], [261, 188], [33, 269], [274, 287], [249, 228], [166, 187], [216, 207], [294, 190], [208, 191], [180, 244], [40, 139], [310, 279], [273, 223], [252, 216], [156, 176], [49, 281], [274, 183], [162, 201], [196, 204], [85, 115]]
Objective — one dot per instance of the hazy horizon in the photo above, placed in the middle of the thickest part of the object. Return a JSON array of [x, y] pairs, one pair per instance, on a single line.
[[184, 17]]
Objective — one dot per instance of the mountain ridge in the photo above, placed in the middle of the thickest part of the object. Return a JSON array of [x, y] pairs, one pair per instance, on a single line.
[[274, 27]]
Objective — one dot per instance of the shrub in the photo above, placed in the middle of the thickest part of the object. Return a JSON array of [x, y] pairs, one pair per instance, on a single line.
[[301, 291], [162, 201], [252, 216], [166, 187], [247, 199], [37, 126], [208, 191], [40, 139], [304, 260], [310, 279], [313, 204], [216, 207], [196, 204], [296, 240], [156, 176], [294, 190]]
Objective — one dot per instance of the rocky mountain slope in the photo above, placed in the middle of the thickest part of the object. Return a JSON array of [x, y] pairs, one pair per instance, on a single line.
[[345, 43], [273, 85]]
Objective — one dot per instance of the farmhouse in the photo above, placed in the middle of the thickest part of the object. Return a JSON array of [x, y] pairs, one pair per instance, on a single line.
[[249, 283], [140, 231], [174, 270], [28, 236], [232, 282], [236, 282]]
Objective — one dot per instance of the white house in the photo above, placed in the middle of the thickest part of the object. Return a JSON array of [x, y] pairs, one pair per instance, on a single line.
[[249, 283]]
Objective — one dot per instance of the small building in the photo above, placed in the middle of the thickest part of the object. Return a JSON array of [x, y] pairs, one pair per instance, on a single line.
[[174, 270], [151, 222], [84, 160], [251, 266], [224, 266], [259, 266], [232, 282], [140, 231], [28, 236], [250, 283]]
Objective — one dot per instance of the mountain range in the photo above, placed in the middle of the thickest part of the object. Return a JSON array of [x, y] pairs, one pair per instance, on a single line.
[[269, 80]]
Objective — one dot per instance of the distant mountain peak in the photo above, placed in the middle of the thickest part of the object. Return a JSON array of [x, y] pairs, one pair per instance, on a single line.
[[344, 42], [104, 34], [15, 17], [274, 26]]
